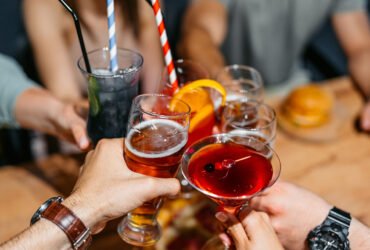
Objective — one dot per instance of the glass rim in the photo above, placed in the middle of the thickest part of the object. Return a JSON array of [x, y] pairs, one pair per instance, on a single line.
[[212, 195], [178, 115], [240, 66], [112, 75], [259, 103]]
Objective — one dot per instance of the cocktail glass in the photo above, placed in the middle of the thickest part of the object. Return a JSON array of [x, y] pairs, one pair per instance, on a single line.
[[230, 169], [157, 133], [250, 118], [110, 93], [241, 82]]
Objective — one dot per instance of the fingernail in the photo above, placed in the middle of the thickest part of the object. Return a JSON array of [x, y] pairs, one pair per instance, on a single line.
[[222, 217], [84, 142]]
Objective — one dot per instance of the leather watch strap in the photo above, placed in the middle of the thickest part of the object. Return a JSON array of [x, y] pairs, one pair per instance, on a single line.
[[78, 234]]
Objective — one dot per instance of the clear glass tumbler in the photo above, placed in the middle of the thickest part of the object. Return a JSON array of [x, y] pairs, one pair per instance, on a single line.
[[110, 93]]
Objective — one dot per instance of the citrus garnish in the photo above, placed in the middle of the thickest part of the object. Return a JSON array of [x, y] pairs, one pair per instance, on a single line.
[[93, 91], [201, 116], [203, 83]]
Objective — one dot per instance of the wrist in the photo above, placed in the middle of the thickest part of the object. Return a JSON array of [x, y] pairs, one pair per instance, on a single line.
[[82, 209]]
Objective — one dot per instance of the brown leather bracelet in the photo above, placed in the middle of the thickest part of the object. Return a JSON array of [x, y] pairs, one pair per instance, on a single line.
[[78, 234]]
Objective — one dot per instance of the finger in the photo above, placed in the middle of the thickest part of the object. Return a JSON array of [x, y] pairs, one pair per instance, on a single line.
[[365, 118], [154, 187], [256, 224], [234, 229], [80, 136]]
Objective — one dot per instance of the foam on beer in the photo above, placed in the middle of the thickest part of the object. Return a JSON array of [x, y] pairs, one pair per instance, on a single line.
[[155, 122]]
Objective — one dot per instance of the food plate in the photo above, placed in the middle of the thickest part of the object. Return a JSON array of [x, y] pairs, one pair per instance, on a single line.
[[329, 131]]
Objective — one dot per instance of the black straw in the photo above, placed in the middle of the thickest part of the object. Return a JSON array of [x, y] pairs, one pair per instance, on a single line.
[[79, 33]]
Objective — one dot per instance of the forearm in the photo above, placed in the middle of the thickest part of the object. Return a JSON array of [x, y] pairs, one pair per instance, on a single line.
[[359, 235], [37, 109], [359, 69], [43, 235], [198, 46]]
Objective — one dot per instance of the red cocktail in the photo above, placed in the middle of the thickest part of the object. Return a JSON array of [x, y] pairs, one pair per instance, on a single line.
[[230, 169]]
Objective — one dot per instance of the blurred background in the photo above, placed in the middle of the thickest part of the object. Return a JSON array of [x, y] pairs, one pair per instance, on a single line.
[[323, 58]]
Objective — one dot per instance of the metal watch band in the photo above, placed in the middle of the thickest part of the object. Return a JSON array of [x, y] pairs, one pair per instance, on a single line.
[[78, 234], [340, 217]]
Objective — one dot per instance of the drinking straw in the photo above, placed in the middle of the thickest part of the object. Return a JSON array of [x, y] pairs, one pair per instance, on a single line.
[[112, 36], [79, 33], [165, 45]]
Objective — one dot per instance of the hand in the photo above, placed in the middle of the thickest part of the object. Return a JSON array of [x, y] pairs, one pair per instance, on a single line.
[[254, 232], [107, 189], [293, 211], [71, 126], [365, 117]]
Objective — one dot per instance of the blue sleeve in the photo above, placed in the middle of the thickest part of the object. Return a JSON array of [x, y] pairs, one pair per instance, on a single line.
[[13, 82], [348, 5]]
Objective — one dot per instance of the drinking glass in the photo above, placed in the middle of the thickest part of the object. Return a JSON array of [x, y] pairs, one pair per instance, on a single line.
[[241, 82], [110, 93], [230, 169], [157, 133], [250, 118]]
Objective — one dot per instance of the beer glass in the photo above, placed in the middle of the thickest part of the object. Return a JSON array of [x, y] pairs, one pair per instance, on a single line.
[[157, 133]]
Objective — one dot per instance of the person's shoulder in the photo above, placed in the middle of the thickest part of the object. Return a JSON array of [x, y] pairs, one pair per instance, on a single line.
[[45, 13]]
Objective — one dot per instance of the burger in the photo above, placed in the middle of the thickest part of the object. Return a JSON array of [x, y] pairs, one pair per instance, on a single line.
[[308, 106]]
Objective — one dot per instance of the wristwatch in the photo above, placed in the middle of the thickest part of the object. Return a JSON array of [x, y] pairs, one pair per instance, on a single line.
[[332, 234], [53, 210]]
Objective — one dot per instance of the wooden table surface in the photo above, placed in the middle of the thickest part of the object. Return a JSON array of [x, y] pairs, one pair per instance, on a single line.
[[338, 170]]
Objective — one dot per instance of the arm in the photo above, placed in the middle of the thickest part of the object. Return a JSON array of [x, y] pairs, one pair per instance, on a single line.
[[150, 47], [203, 31], [291, 207], [46, 23], [100, 194], [353, 32]]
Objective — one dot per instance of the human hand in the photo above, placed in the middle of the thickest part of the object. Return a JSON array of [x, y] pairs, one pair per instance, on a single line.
[[365, 117], [107, 189], [70, 126], [293, 211], [253, 232]]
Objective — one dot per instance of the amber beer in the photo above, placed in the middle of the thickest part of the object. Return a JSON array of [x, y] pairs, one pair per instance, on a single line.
[[154, 148]]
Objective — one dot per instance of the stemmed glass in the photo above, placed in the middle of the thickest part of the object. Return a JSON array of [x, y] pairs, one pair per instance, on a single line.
[[241, 82], [230, 169], [157, 133], [250, 118]]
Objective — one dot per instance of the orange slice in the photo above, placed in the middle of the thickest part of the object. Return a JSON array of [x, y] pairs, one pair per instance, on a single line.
[[200, 116], [203, 83]]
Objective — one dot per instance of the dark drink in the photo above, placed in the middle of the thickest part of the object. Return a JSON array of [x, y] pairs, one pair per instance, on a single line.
[[110, 101], [110, 93], [230, 170]]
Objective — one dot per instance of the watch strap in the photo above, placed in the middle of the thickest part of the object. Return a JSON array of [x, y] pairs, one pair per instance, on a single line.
[[78, 234], [340, 217]]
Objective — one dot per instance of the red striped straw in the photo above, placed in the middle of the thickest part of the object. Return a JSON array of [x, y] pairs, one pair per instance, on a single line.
[[165, 45]]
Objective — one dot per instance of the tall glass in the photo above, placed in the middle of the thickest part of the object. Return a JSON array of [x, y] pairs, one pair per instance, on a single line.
[[110, 93], [157, 133], [250, 118], [230, 169], [241, 82]]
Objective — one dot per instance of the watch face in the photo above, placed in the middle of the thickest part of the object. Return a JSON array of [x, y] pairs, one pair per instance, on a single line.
[[327, 240]]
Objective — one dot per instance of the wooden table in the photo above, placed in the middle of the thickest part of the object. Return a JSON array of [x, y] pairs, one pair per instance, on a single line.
[[338, 170]]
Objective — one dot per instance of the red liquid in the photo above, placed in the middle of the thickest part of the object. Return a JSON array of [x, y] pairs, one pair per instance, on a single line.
[[243, 178]]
